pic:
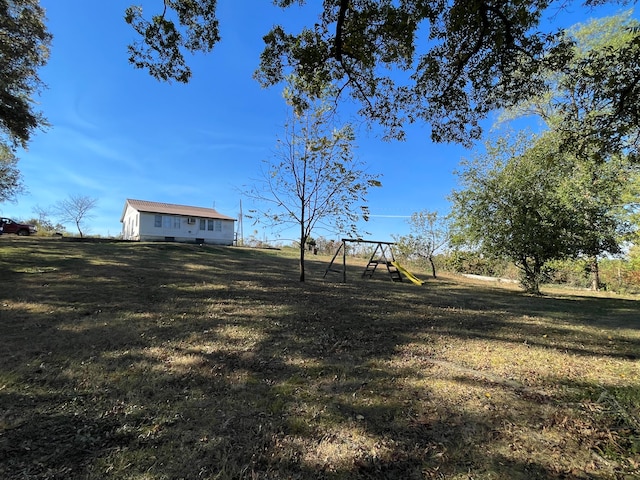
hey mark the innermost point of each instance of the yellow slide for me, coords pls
(407, 273)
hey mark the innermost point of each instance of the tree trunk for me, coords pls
(595, 273)
(537, 274)
(433, 266)
(302, 243)
(531, 278)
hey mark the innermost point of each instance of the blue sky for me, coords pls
(117, 133)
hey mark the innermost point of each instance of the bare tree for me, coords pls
(429, 233)
(76, 210)
(313, 180)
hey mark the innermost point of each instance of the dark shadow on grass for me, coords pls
(171, 360)
(53, 444)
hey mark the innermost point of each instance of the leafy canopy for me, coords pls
(593, 102)
(163, 38)
(445, 63)
(10, 179)
(24, 48)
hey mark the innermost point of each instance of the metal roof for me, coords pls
(173, 209)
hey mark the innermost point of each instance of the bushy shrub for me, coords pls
(476, 264)
(569, 272)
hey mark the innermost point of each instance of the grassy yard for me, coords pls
(166, 361)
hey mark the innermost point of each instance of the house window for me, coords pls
(210, 225)
(176, 222)
(157, 221)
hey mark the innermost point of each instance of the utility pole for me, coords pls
(240, 230)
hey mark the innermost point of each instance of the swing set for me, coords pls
(382, 255)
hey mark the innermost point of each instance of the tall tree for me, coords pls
(429, 232)
(593, 107)
(314, 179)
(76, 210)
(532, 202)
(509, 206)
(10, 179)
(24, 48)
(594, 192)
(446, 63)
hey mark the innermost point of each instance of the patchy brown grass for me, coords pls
(165, 361)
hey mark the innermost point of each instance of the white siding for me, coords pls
(150, 226)
(188, 232)
(130, 224)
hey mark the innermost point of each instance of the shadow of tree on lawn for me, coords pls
(169, 361)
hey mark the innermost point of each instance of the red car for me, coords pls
(9, 226)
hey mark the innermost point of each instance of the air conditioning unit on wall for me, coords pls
(191, 221)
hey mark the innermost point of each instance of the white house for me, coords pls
(153, 221)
